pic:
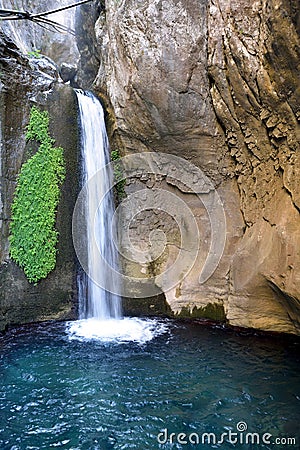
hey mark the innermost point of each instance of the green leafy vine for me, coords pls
(33, 236)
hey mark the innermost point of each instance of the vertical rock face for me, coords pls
(210, 81)
(255, 91)
(86, 17)
(26, 81)
(29, 36)
(216, 83)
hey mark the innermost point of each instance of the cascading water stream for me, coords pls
(100, 304)
(100, 310)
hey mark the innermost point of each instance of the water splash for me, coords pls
(129, 329)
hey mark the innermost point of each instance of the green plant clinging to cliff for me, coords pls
(33, 236)
(34, 54)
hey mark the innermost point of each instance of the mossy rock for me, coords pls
(34, 237)
(149, 306)
(212, 311)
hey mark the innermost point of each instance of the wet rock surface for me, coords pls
(27, 81)
(67, 72)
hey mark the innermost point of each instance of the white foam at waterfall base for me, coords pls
(129, 329)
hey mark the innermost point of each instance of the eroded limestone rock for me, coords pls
(216, 83)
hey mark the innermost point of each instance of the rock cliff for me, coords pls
(25, 81)
(216, 83)
(28, 36)
(210, 81)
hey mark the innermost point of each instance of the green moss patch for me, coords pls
(33, 236)
(212, 311)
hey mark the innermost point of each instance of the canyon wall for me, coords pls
(28, 36)
(25, 81)
(215, 83)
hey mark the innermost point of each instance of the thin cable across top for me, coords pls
(40, 19)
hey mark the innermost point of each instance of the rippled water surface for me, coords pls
(61, 392)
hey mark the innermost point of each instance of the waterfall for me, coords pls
(94, 301)
(100, 310)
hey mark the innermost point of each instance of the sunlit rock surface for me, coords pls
(215, 83)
